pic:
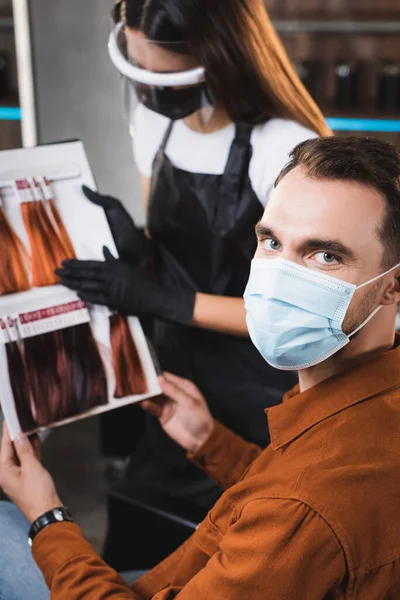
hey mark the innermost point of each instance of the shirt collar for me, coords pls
(300, 412)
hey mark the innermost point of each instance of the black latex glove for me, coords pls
(131, 241)
(126, 289)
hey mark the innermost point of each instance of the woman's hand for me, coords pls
(126, 289)
(182, 411)
(22, 477)
(131, 241)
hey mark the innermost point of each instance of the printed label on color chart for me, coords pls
(45, 320)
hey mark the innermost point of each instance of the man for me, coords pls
(315, 515)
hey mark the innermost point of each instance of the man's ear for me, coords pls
(391, 292)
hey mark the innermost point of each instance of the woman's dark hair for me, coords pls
(247, 67)
(363, 160)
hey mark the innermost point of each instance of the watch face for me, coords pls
(58, 514)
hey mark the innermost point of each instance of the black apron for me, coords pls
(202, 228)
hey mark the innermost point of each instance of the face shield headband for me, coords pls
(175, 95)
(152, 78)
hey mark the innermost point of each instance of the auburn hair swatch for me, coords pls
(60, 227)
(48, 250)
(14, 259)
(65, 372)
(129, 374)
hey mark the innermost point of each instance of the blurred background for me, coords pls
(346, 51)
(57, 83)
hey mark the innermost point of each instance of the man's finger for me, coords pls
(153, 407)
(24, 449)
(35, 441)
(184, 384)
(7, 454)
(174, 392)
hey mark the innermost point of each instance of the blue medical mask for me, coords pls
(295, 314)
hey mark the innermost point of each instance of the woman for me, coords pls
(220, 108)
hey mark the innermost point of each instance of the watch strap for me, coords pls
(57, 515)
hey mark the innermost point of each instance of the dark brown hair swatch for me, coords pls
(65, 372)
(20, 387)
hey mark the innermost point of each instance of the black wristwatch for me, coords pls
(57, 515)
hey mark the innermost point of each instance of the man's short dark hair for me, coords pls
(364, 160)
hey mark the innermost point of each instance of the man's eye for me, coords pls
(326, 258)
(271, 244)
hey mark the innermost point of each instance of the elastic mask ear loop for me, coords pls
(127, 104)
(378, 277)
(371, 316)
(211, 99)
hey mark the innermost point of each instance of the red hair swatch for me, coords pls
(61, 230)
(129, 373)
(47, 249)
(14, 259)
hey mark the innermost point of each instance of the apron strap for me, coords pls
(158, 162)
(243, 134)
(157, 167)
(234, 178)
(166, 136)
(240, 152)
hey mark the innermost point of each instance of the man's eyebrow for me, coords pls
(327, 245)
(263, 231)
(330, 246)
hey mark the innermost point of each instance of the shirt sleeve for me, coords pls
(272, 145)
(276, 548)
(225, 456)
(148, 131)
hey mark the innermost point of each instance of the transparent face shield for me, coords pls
(160, 75)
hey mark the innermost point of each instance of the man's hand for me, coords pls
(183, 412)
(24, 480)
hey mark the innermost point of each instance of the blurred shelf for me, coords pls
(361, 113)
(10, 113)
(9, 101)
(365, 125)
(6, 23)
(336, 26)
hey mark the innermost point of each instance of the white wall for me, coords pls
(78, 92)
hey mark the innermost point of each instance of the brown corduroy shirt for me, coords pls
(315, 515)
